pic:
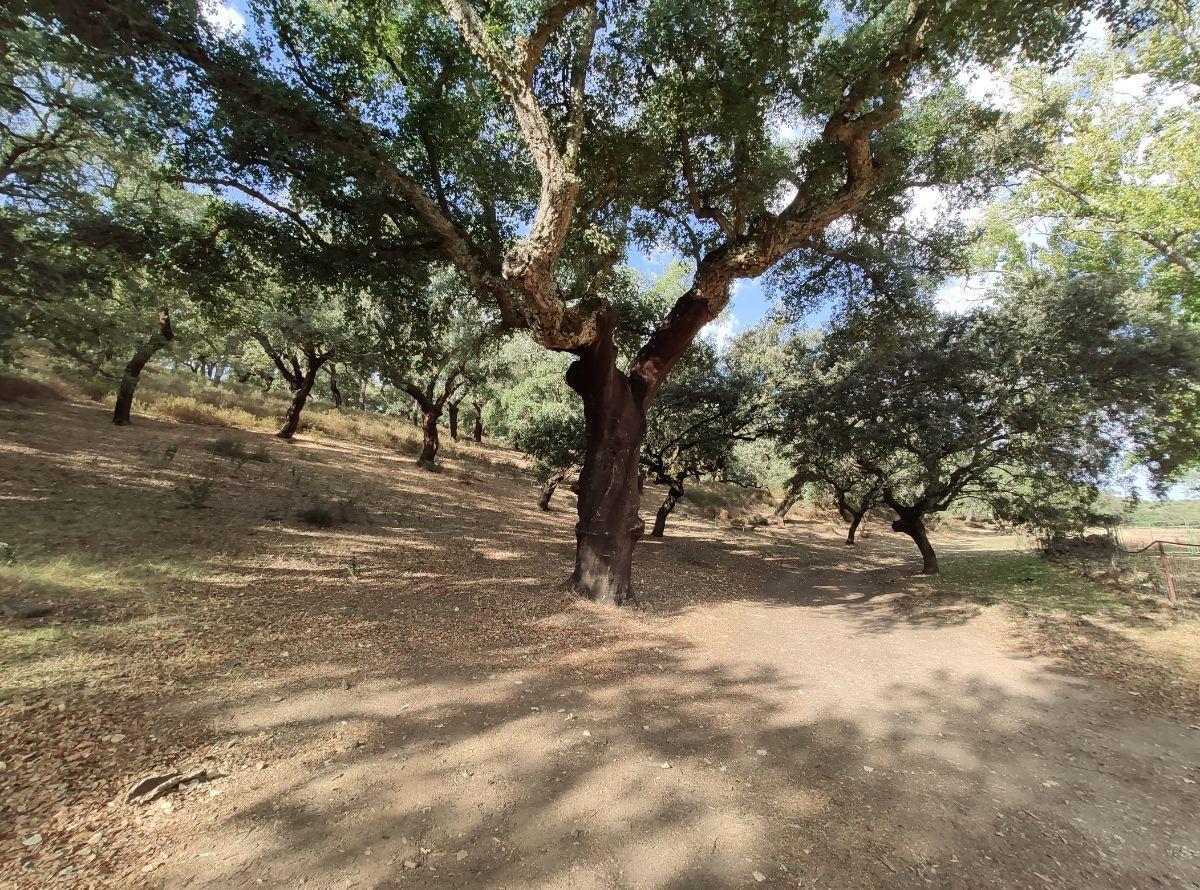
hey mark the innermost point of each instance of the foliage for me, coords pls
(237, 451)
(1025, 405)
(194, 494)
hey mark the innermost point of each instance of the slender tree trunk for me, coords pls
(855, 520)
(333, 387)
(300, 392)
(133, 370)
(668, 504)
(548, 489)
(912, 524)
(429, 438)
(430, 443)
(789, 500)
(362, 394)
(478, 431)
(452, 410)
(615, 424)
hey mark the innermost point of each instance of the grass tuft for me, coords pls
(1024, 579)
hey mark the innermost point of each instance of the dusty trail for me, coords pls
(781, 709)
(816, 736)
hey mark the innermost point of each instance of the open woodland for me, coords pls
(590, 444)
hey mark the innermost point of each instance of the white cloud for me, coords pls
(721, 330)
(223, 18)
(930, 206)
(987, 86)
(964, 293)
(1096, 33)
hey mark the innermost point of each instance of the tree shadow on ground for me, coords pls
(897, 750)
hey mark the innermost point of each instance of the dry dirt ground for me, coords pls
(410, 701)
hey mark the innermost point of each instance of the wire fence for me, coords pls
(1166, 558)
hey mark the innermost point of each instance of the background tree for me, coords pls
(1118, 191)
(660, 121)
(703, 411)
(301, 307)
(433, 355)
(1038, 394)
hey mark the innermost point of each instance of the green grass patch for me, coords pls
(124, 606)
(1024, 579)
(1180, 512)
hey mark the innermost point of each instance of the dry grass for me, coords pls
(418, 675)
(14, 388)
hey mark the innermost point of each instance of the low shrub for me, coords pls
(236, 451)
(186, 409)
(328, 513)
(14, 389)
(194, 494)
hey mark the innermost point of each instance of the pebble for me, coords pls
(33, 840)
(759, 876)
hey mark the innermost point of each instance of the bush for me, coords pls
(236, 451)
(326, 514)
(13, 389)
(194, 493)
(186, 409)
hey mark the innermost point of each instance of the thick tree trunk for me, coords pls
(429, 438)
(911, 524)
(548, 489)
(789, 500)
(615, 424)
(300, 392)
(668, 504)
(452, 410)
(133, 370)
(333, 387)
(855, 520)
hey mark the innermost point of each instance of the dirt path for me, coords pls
(810, 734)
(780, 714)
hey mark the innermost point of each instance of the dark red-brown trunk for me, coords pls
(478, 431)
(855, 522)
(300, 391)
(429, 438)
(912, 524)
(615, 424)
(664, 511)
(133, 370)
(548, 489)
(452, 409)
(334, 391)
